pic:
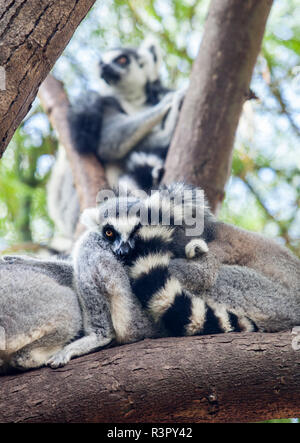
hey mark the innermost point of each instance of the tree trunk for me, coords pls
(33, 34)
(201, 149)
(88, 174)
(223, 378)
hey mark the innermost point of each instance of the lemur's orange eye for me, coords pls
(109, 233)
(122, 60)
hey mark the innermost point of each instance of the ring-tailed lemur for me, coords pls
(131, 123)
(75, 308)
(162, 294)
(148, 249)
(39, 312)
(129, 126)
(52, 311)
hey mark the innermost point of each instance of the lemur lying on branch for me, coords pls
(129, 280)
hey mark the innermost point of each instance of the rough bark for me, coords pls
(33, 34)
(201, 149)
(88, 174)
(224, 378)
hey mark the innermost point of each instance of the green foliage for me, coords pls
(23, 209)
(288, 420)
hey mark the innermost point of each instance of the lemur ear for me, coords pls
(150, 52)
(90, 218)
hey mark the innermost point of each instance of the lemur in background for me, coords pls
(129, 126)
(132, 122)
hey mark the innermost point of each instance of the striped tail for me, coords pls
(163, 296)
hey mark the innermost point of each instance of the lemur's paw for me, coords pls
(157, 174)
(179, 96)
(58, 360)
(195, 248)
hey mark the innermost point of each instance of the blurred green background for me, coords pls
(263, 193)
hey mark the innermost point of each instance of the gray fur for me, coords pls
(272, 306)
(39, 313)
(52, 311)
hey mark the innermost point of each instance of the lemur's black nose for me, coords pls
(108, 73)
(123, 249)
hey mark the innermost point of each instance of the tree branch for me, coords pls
(223, 378)
(88, 174)
(201, 149)
(33, 34)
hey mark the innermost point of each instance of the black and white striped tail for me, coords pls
(144, 169)
(161, 293)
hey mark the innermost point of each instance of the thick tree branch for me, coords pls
(88, 174)
(33, 34)
(201, 149)
(224, 378)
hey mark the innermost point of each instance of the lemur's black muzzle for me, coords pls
(109, 74)
(124, 250)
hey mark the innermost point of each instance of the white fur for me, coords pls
(164, 298)
(221, 312)
(90, 218)
(141, 158)
(178, 202)
(121, 316)
(163, 232)
(144, 264)
(152, 68)
(197, 318)
(124, 225)
(245, 324)
(18, 342)
(41, 355)
(113, 172)
(127, 184)
(195, 246)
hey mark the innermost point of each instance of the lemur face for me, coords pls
(127, 67)
(117, 64)
(117, 221)
(120, 234)
(123, 220)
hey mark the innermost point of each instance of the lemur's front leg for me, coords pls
(82, 346)
(169, 123)
(162, 136)
(122, 132)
